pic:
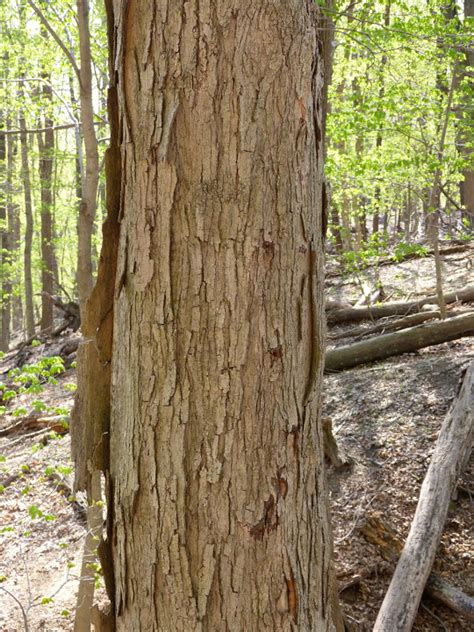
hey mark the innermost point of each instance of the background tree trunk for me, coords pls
(219, 512)
(91, 177)
(4, 241)
(46, 158)
(465, 137)
(25, 172)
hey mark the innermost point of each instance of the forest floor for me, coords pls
(385, 417)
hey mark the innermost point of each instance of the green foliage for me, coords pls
(30, 59)
(21, 411)
(393, 65)
(377, 247)
(29, 379)
(404, 250)
(39, 406)
(36, 513)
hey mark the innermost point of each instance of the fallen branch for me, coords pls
(377, 532)
(55, 423)
(392, 344)
(393, 325)
(450, 596)
(351, 314)
(403, 597)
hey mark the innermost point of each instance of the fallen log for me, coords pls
(377, 532)
(57, 423)
(403, 597)
(399, 342)
(450, 596)
(352, 314)
(391, 325)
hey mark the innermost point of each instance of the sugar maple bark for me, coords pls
(218, 499)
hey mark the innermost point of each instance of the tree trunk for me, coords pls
(466, 134)
(379, 137)
(400, 342)
(218, 500)
(25, 172)
(401, 602)
(46, 158)
(91, 177)
(4, 298)
(337, 229)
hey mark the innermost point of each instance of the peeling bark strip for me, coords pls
(219, 511)
(91, 415)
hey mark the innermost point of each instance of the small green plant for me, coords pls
(39, 405)
(21, 411)
(35, 343)
(374, 249)
(71, 387)
(34, 512)
(404, 250)
(61, 410)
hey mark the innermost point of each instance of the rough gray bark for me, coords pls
(399, 342)
(218, 511)
(401, 602)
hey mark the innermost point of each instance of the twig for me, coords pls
(9, 444)
(56, 38)
(434, 616)
(357, 518)
(20, 605)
